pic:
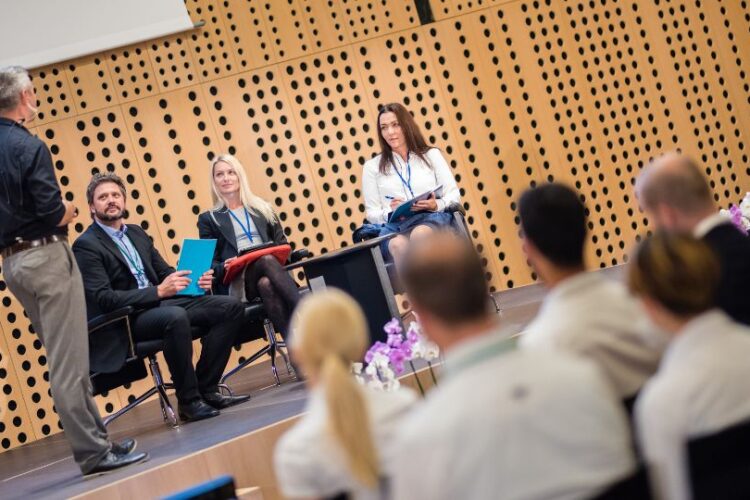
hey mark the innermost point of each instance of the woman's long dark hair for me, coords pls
(413, 136)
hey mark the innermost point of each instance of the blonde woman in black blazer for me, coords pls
(238, 221)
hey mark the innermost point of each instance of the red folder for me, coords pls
(281, 252)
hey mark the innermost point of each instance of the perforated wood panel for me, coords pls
(514, 93)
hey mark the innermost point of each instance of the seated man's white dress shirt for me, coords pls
(512, 424)
(701, 388)
(596, 318)
(310, 464)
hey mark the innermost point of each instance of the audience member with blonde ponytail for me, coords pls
(339, 444)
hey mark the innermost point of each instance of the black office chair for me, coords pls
(719, 464)
(134, 367)
(258, 326)
(635, 486)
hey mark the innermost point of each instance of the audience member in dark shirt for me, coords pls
(677, 198)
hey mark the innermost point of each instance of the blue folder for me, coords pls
(196, 257)
(404, 210)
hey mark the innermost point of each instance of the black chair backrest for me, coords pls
(635, 486)
(720, 463)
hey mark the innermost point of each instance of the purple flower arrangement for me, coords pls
(386, 361)
(740, 215)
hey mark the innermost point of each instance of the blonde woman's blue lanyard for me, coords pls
(406, 182)
(140, 272)
(247, 230)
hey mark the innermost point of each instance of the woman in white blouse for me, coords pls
(339, 444)
(406, 168)
(702, 386)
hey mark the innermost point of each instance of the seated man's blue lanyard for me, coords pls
(140, 272)
(245, 229)
(406, 182)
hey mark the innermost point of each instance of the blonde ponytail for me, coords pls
(329, 331)
(349, 420)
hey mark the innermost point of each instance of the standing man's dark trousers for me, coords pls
(172, 320)
(48, 284)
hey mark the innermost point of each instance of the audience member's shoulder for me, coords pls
(390, 403)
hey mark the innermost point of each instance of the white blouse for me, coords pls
(376, 187)
(309, 462)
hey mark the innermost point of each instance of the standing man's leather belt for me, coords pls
(22, 245)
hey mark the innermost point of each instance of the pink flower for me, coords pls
(393, 327)
(397, 358)
(395, 339)
(735, 213)
(377, 348)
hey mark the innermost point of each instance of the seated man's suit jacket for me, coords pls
(110, 285)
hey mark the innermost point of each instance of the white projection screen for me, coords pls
(40, 32)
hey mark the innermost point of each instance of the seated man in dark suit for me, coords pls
(121, 267)
(676, 197)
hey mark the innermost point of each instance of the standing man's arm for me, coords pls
(43, 188)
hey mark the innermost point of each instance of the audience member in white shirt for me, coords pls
(503, 423)
(406, 167)
(702, 384)
(338, 444)
(584, 313)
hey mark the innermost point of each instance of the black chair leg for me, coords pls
(166, 407)
(160, 389)
(273, 348)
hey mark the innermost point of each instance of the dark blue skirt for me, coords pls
(434, 220)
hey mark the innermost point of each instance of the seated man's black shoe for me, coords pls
(197, 410)
(124, 447)
(112, 461)
(219, 401)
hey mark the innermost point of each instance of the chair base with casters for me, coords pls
(160, 388)
(273, 347)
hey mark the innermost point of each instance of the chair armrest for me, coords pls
(122, 314)
(456, 207)
(102, 320)
(298, 255)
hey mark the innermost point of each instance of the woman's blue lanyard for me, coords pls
(140, 272)
(245, 229)
(405, 182)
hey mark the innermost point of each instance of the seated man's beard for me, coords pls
(109, 217)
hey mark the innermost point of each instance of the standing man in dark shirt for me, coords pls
(41, 272)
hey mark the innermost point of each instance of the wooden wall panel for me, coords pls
(515, 92)
(173, 139)
(254, 121)
(16, 424)
(327, 100)
(247, 33)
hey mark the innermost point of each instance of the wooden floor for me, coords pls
(45, 468)
(240, 441)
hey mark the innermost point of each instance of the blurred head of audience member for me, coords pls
(676, 278)
(553, 226)
(674, 194)
(446, 284)
(330, 332)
